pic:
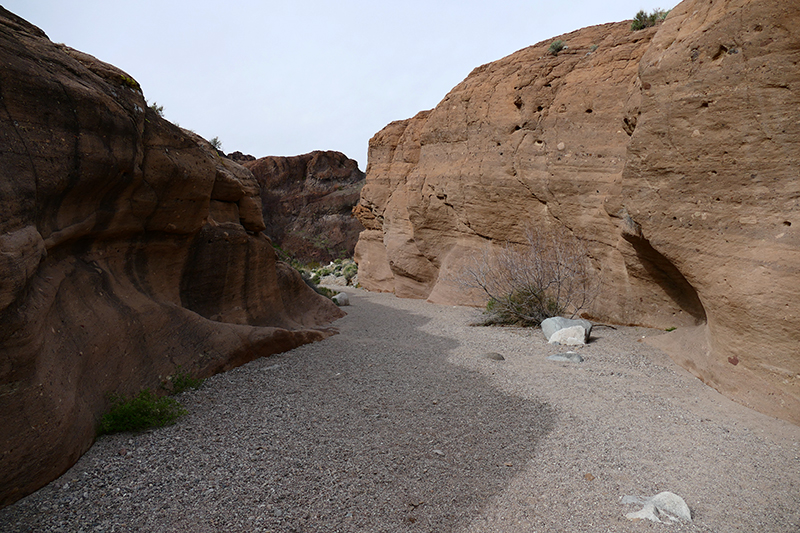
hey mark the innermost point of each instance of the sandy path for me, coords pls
(397, 424)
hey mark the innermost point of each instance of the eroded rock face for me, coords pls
(671, 152)
(530, 139)
(128, 247)
(712, 180)
(308, 202)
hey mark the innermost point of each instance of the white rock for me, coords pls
(662, 505)
(571, 336)
(556, 323)
(341, 299)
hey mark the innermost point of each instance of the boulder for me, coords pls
(341, 299)
(669, 151)
(579, 329)
(128, 248)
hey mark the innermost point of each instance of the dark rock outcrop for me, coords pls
(128, 247)
(308, 202)
(672, 151)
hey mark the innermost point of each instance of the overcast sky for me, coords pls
(289, 77)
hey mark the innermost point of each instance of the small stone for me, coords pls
(493, 355)
(662, 505)
(439, 452)
(341, 299)
(569, 357)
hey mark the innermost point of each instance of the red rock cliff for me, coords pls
(128, 247)
(671, 151)
(308, 202)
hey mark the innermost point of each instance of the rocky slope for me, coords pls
(128, 248)
(308, 202)
(668, 150)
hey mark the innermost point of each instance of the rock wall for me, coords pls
(128, 247)
(308, 202)
(670, 151)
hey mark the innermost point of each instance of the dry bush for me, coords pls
(550, 275)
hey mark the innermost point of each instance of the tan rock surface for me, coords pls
(671, 151)
(712, 179)
(530, 139)
(128, 248)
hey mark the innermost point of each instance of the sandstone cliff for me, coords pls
(671, 151)
(128, 247)
(308, 202)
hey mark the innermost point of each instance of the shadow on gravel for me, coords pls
(389, 436)
(369, 430)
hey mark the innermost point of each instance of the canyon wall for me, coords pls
(308, 202)
(672, 152)
(128, 248)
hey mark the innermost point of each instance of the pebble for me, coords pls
(569, 357)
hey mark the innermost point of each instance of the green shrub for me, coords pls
(349, 271)
(181, 382)
(141, 412)
(130, 82)
(325, 291)
(216, 143)
(644, 20)
(556, 46)
(157, 109)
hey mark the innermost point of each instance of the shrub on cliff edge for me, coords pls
(644, 20)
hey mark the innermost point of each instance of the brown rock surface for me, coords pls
(128, 247)
(308, 202)
(671, 151)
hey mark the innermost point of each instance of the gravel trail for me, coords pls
(399, 424)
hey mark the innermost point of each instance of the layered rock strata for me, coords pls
(308, 202)
(128, 248)
(671, 151)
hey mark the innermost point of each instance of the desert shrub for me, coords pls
(157, 109)
(130, 82)
(349, 271)
(549, 275)
(181, 381)
(644, 20)
(556, 46)
(216, 143)
(140, 412)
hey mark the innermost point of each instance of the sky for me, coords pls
(289, 77)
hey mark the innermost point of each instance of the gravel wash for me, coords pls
(400, 423)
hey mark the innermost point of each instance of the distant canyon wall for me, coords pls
(671, 151)
(308, 202)
(128, 249)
